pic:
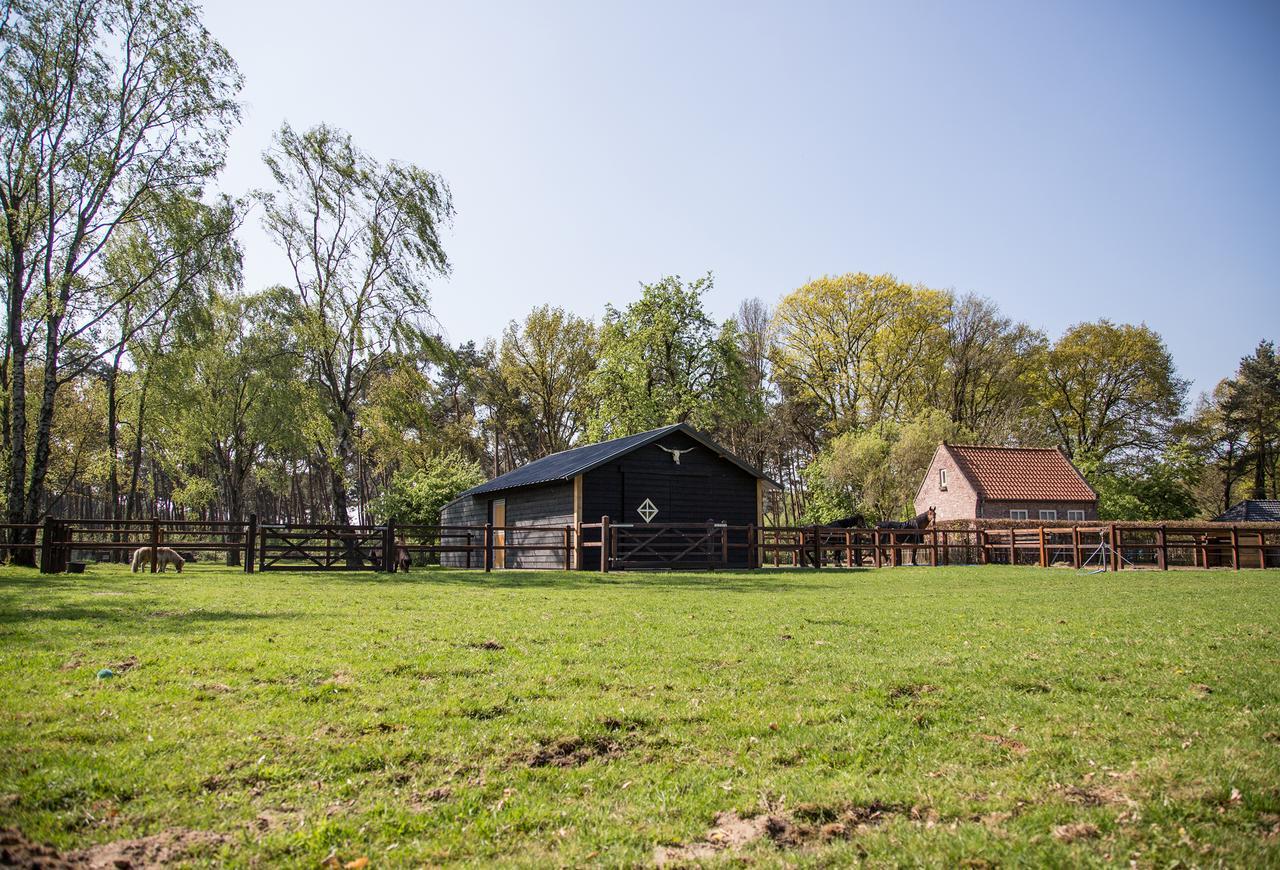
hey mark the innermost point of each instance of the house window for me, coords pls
(942, 479)
(1075, 515)
(1048, 515)
(1017, 515)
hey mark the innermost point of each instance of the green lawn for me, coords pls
(910, 716)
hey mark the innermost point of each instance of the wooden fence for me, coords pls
(65, 544)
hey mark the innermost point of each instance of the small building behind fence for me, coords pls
(981, 481)
(675, 475)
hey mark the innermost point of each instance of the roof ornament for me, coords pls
(676, 454)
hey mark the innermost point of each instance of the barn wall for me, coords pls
(465, 511)
(547, 505)
(702, 487)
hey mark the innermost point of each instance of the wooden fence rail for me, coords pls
(62, 544)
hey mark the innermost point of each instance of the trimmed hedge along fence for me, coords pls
(65, 544)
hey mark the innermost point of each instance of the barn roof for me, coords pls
(1255, 510)
(568, 464)
(1021, 473)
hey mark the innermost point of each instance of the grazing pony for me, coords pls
(919, 521)
(402, 557)
(164, 558)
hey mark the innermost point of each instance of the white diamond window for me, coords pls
(648, 510)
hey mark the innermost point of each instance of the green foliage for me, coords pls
(1110, 391)
(1158, 489)
(415, 497)
(663, 361)
(877, 470)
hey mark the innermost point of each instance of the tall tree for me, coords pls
(663, 360)
(1252, 402)
(114, 114)
(861, 348)
(547, 361)
(363, 240)
(987, 367)
(1110, 391)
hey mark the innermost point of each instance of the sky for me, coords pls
(1071, 161)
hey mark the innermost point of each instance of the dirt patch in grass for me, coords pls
(911, 691)
(123, 667)
(1075, 831)
(807, 823)
(575, 751)
(486, 644)
(158, 850)
(74, 662)
(1016, 746)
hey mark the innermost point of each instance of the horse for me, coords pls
(918, 522)
(401, 562)
(164, 558)
(854, 521)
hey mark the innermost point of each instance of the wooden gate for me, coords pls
(320, 548)
(668, 546)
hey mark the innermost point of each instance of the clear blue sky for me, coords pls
(1071, 161)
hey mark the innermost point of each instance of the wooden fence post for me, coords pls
(155, 541)
(1044, 554)
(1235, 548)
(875, 547)
(724, 545)
(604, 545)
(983, 555)
(1115, 547)
(568, 548)
(933, 551)
(753, 558)
(262, 547)
(250, 542)
(817, 548)
(389, 546)
(1075, 547)
(1162, 556)
(48, 543)
(488, 547)
(1013, 550)
(577, 544)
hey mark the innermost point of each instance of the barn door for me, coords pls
(499, 533)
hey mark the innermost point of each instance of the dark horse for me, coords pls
(920, 522)
(856, 521)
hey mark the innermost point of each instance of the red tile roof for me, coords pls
(1021, 473)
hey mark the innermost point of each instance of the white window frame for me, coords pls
(1048, 515)
(1017, 515)
(1075, 516)
(942, 479)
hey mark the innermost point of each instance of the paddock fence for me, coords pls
(59, 545)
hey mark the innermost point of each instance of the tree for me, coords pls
(363, 239)
(862, 348)
(663, 361)
(1110, 391)
(1252, 403)
(415, 497)
(987, 370)
(877, 470)
(1159, 489)
(114, 115)
(231, 394)
(546, 363)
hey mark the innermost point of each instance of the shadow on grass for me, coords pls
(161, 620)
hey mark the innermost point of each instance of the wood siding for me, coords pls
(465, 511)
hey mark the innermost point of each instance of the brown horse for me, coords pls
(917, 523)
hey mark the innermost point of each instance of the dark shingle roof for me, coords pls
(1021, 473)
(567, 464)
(1252, 511)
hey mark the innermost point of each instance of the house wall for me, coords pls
(999, 510)
(961, 501)
(547, 505)
(958, 502)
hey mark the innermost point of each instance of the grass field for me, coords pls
(930, 716)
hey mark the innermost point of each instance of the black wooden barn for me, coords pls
(673, 475)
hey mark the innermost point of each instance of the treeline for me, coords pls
(139, 376)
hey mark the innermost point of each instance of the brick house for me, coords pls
(978, 481)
